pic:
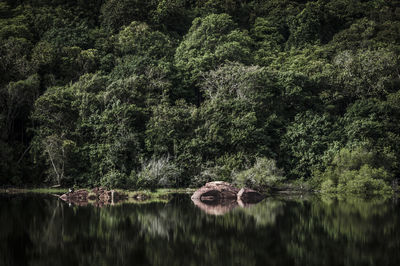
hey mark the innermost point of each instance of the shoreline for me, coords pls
(153, 193)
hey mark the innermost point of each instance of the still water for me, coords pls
(308, 230)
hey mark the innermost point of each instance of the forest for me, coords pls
(175, 93)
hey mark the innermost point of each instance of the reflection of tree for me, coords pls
(176, 233)
(344, 231)
(266, 212)
(354, 218)
(327, 231)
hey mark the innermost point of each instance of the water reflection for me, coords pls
(219, 207)
(41, 230)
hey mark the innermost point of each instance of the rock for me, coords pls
(247, 195)
(214, 191)
(98, 190)
(99, 194)
(220, 197)
(79, 195)
(105, 196)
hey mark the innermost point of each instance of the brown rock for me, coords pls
(79, 195)
(220, 197)
(105, 196)
(98, 190)
(247, 195)
(216, 190)
(99, 194)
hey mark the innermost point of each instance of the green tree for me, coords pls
(211, 41)
(139, 39)
(118, 13)
(305, 141)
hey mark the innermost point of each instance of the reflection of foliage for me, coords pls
(350, 228)
(266, 212)
(315, 231)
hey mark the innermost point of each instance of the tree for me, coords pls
(118, 13)
(268, 39)
(237, 114)
(140, 40)
(366, 73)
(305, 141)
(170, 128)
(211, 41)
(305, 27)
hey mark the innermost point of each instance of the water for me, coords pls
(42, 230)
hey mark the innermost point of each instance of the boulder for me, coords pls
(214, 191)
(220, 197)
(247, 195)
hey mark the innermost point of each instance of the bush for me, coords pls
(261, 176)
(114, 179)
(223, 169)
(353, 172)
(328, 186)
(158, 173)
(367, 180)
(216, 173)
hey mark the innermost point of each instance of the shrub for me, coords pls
(114, 179)
(353, 172)
(216, 173)
(158, 173)
(328, 186)
(261, 176)
(367, 180)
(223, 169)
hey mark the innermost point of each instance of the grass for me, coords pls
(34, 190)
(158, 193)
(134, 197)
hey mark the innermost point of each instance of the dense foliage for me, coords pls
(135, 94)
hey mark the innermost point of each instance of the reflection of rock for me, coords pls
(140, 197)
(216, 190)
(220, 197)
(218, 207)
(246, 196)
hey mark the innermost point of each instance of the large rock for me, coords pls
(214, 191)
(220, 197)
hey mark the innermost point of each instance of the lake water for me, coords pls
(309, 230)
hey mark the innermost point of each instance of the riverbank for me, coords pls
(160, 193)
